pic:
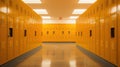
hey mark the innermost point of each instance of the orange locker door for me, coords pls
(118, 22)
(21, 36)
(97, 29)
(113, 41)
(25, 37)
(91, 39)
(113, 32)
(16, 37)
(0, 38)
(107, 44)
(94, 38)
(97, 36)
(10, 38)
(107, 32)
(29, 37)
(15, 6)
(3, 38)
(102, 32)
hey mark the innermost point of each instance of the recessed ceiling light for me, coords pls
(87, 1)
(73, 17)
(46, 21)
(32, 1)
(41, 11)
(46, 17)
(79, 11)
(5, 10)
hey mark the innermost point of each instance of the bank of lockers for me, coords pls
(103, 31)
(19, 25)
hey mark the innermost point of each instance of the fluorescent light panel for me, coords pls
(72, 63)
(79, 11)
(5, 10)
(46, 17)
(41, 11)
(32, 1)
(58, 21)
(73, 17)
(87, 1)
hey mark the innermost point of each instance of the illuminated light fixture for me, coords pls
(32, 1)
(87, 1)
(41, 11)
(4, 10)
(46, 17)
(46, 63)
(114, 9)
(119, 7)
(72, 63)
(73, 17)
(79, 11)
(58, 21)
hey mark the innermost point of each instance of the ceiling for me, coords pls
(59, 8)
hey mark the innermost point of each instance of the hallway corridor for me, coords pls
(59, 33)
(59, 55)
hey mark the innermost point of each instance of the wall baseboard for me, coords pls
(96, 58)
(21, 58)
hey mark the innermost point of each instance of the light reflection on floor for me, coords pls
(59, 55)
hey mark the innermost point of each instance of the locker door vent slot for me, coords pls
(81, 33)
(35, 33)
(10, 32)
(112, 32)
(68, 32)
(47, 32)
(62, 32)
(53, 32)
(90, 33)
(25, 33)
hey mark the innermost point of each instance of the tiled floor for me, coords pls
(59, 55)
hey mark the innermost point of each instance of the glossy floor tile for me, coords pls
(59, 55)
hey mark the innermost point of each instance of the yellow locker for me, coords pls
(3, 38)
(107, 16)
(24, 28)
(113, 31)
(0, 39)
(10, 37)
(92, 30)
(97, 34)
(28, 43)
(93, 34)
(25, 37)
(96, 41)
(15, 14)
(118, 33)
(107, 43)
(105, 30)
(16, 38)
(102, 30)
(95, 21)
(90, 38)
(13, 24)
(21, 36)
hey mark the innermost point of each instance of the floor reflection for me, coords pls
(59, 55)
